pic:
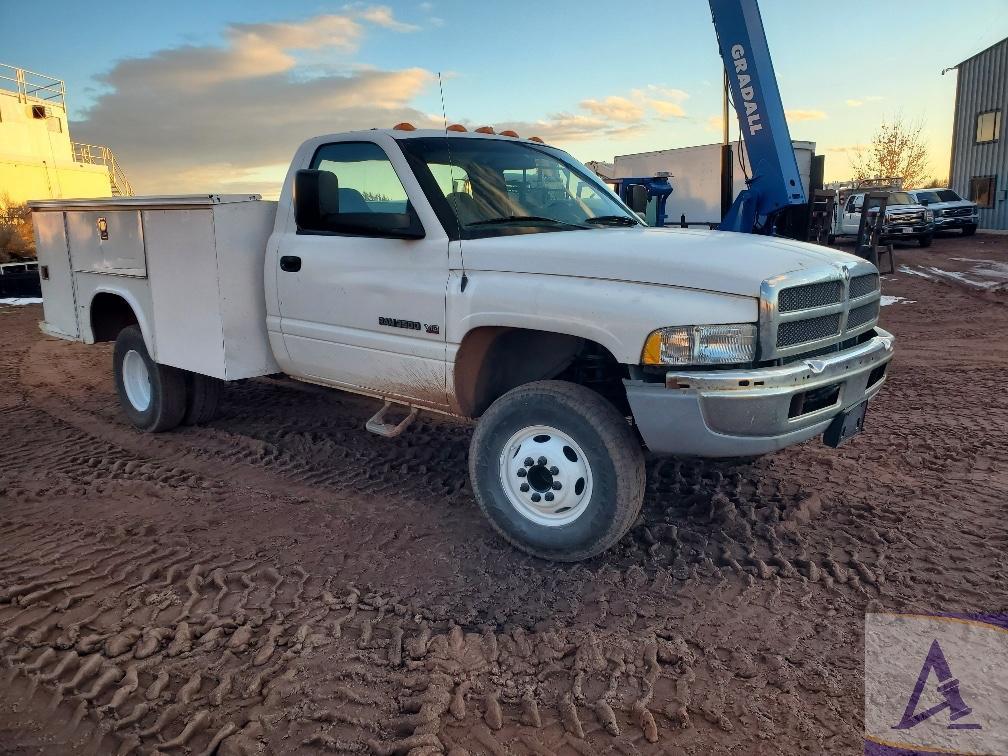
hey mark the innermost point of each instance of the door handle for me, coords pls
(290, 263)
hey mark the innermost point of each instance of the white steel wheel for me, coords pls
(546, 476)
(136, 380)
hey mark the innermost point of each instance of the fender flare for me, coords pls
(146, 327)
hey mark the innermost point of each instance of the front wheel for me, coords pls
(969, 230)
(153, 396)
(557, 470)
(925, 241)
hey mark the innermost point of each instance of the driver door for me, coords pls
(852, 215)
(363, 311)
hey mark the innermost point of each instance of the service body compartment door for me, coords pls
(184, 289)
(107, 241)
(59, 301)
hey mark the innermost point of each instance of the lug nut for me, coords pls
(536, 497)
(542, 461)
(554, 470)
(557, 485)
(549, 496)
(524, 487)
(529, 461)
(522, 472)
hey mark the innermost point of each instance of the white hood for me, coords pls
(719, 261)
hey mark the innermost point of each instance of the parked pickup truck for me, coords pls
(482, 276)
(905, 220)
(950, 210)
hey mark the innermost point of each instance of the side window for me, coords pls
(852, 204)
(988, 126)
(367, 181)
(981, 190)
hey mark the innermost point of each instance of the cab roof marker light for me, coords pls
(536, 139)
(509, 133)
(457, 127)
(485, 130)
(404, 126)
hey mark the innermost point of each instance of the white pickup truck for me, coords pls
(487, 277)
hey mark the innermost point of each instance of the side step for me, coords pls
(378, 425)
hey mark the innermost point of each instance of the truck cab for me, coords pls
(951, 211)
(487, 277)
(905, 219)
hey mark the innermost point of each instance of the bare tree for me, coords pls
(897, 150)
(17, 241)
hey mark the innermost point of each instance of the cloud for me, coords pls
(663, 101)
(858, 103)
(849, 148)
(196, 118)
(615, 109)
(381, 15)
(804, 115)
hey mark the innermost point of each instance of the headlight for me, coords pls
(701, 345)
(928, 215)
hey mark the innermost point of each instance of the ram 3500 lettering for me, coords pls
(487, 277)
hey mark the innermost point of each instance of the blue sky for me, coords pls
(189, 93)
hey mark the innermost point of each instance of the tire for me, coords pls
(202, 398)
(831, 239)
(925, 241)
(138, 377)
(969, 230)
(599, 489)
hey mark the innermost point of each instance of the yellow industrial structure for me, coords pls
(37, 158)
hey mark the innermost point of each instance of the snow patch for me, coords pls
(888, 299)
(14, 301)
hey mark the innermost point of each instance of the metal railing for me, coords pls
(96, 154)
(30, 85)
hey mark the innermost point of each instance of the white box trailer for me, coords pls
(696, 177)
(192, 265)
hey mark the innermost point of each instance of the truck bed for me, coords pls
(190, 267)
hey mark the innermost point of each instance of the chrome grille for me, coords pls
(810, 295)
(861, 286)
(820, 307)
(795, 332)
(905, 218)
(863, 314)
(957, 212)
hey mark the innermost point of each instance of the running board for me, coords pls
(378, 425)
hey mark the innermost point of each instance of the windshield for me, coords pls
(900, 198)
(947, 195)
(927, 197)
(485, 187)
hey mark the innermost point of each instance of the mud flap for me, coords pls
(846, 425)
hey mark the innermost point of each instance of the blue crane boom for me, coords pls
(775, 182)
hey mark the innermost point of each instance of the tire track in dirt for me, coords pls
(280, 581)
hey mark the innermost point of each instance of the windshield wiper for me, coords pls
(523, 219)
(612, 220)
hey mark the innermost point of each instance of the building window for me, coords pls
(981, 190)
(988, 126)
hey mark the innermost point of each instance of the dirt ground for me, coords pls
(282, 581)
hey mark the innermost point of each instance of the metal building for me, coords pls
(979, 169)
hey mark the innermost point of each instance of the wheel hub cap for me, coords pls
(546, 476)
(136, 380)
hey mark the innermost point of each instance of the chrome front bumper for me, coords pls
(729, 413)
